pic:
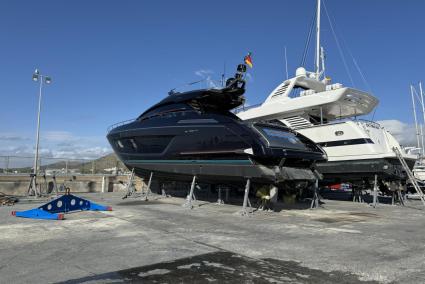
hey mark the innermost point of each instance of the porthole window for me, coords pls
(133, 143)
(339, 133)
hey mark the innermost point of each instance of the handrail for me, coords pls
(244, 108)
(115, 125)
(369, 121)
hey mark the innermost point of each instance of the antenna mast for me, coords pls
(223, 76)
(322, 57)
(286, 65)
(318, 40)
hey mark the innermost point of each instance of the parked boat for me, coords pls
(195, 134)
(328, 114)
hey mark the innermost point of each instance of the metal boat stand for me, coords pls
(397, 197)
(226, 197)
(130, 187)
(32, 187)
(315, 201)
(357, 194)
(246, 202)
(191, 197)
(220, 201)
(43, 187)
(145, 193)
(163, 192)
(36, 189)
(375, 192)
(55, 184)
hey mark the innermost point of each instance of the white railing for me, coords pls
(369, 122)
(115, 125)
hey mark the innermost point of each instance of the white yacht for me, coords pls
(328, 114)
(419, 172)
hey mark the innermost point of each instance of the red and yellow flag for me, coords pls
(248, 59)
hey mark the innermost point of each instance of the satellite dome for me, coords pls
(300, 72)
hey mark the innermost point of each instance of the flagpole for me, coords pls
(223, 76)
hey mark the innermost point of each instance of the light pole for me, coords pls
(37, 77)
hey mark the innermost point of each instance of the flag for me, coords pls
(248, 59)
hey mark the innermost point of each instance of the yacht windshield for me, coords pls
(165, 109)
(279, 138)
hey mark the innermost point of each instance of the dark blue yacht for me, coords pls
(195, 134)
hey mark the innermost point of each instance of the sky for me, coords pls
(111, 60)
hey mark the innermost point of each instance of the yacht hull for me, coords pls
(358, 150)
(214, 152)
(358, 170)
(215, 147)
(218, 171)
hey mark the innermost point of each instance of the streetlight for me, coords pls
(37, 77)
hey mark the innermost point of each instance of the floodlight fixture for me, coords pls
(35, 75)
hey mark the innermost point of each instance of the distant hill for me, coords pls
(100, 165)
(104, 164)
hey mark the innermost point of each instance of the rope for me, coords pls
(366, 83)
(360, 71)
(373, 115)
(307, 44)
(338, 46)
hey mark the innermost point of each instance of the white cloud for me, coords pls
(80, 152)
(55, 144)
(12, 137)
(203, 73)
(57, 135)
(403, 132)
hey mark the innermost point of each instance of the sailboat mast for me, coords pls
(423, 113)
(414, 115)
(421, 128)
(318, 40)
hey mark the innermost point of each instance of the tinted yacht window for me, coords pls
(152, 144)
(145, 145)
(282, 138)
(165, 109)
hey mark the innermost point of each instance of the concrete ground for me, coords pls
(159, 241)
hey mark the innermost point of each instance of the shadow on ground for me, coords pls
(221, 267)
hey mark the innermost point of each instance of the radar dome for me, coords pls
(300, 72)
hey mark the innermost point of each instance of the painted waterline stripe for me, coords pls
(238, 162)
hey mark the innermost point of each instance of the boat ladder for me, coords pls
(410, 174)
